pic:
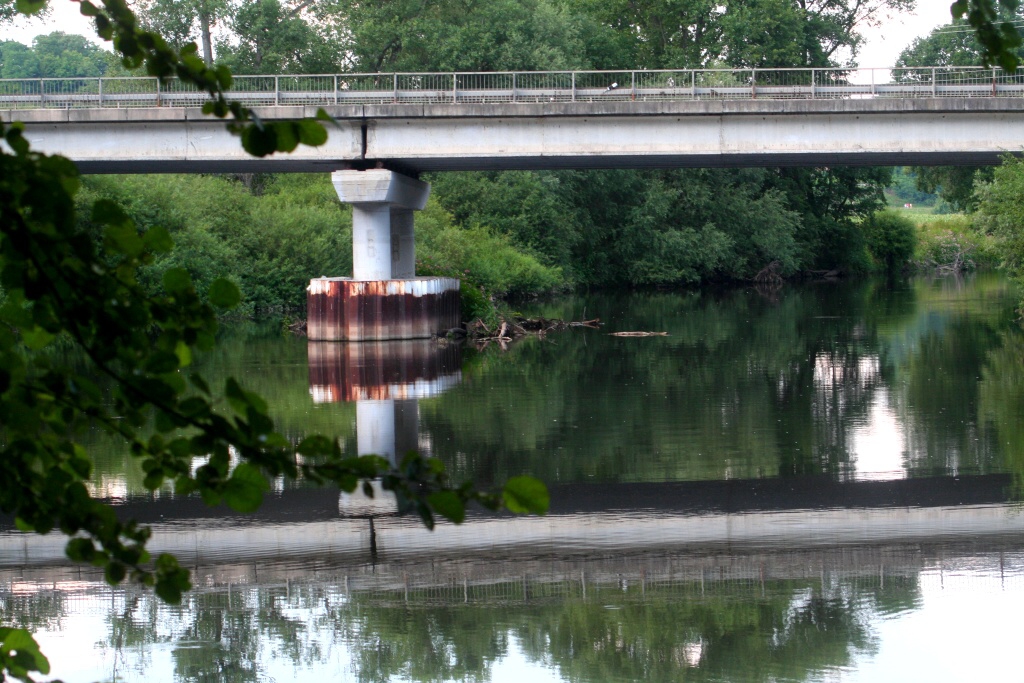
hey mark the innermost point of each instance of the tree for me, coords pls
(59, 281)
(181, 21)
(274, 39)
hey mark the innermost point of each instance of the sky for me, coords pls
(884, 42)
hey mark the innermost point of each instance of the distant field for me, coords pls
(922, 214)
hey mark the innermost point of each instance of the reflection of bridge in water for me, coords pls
(738, 530)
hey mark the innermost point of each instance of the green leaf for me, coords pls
(36, 338)
(259, 141)
(171, 579)
(526, 495)
(27, 657)
(315, 445)
(161, 361)
(449, 505)
(177, 280)
(244, 490)
(286, 135)
(184, 354)
(158, 240)
(30, 7)
(80, 550)
(311, 133)
(108, 212)
(224, 293)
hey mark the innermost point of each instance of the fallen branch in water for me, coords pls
(638, 334)
(520, 327)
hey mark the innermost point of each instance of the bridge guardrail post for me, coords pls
(394, 80)
(99, 90)
(693, 84)
(632, 92)
(814, 76)
(277, 91)
(455, 89)
(42, 93)
(513, 86)
(933, 81)
(158, 103)
(335, 88)
(573, 86)
(753, 84)
(993, 82)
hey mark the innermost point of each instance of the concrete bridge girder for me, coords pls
(552, 135)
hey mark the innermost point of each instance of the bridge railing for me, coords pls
(522, 87)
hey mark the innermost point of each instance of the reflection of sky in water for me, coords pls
(959, 627)
(877, 442)
(967, 628)
(877, 438)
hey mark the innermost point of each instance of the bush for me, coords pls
(270, 246)
(953, 240)
(479, 256)
(891, 239)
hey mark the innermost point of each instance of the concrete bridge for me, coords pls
(390, 127)
(435, 122)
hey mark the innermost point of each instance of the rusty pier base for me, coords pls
(343, 309)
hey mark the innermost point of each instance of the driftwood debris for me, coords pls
(638, 334)
(507, 330)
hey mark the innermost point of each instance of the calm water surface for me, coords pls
(815, 484)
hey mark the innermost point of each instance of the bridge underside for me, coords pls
(414, 166)
(413, 139)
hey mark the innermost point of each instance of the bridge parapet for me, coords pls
(519, 87)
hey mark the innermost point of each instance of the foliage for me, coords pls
(891, 239)
(269, 245)
(1001, 213)
(994, 28)
(481, 257)
(496, 35)
(84, 285)
(942, 240)
(904, 189)
(181, 22)
(666, 227)
(273, 39)
(54, 55)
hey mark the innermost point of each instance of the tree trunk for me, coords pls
(204, 22)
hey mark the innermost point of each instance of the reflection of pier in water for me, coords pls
(386, 380)
(739, 529)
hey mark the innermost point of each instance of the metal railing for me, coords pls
(521, 87)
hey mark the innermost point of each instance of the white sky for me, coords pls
(883, 45)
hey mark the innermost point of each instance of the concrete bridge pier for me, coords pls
(383, 299)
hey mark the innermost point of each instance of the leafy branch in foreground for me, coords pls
(992, 21)
(62, 283)
(141, 49)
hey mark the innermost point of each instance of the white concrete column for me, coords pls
(375, 428)
(383, 245)
(403, 244)
(371, 242)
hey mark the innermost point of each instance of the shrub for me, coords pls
(891, 239)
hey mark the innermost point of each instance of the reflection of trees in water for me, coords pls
(32, 610)
(1001, 402)
(734, 391)
(614, 630)
(742, 387)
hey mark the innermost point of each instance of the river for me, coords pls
(815, 483)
